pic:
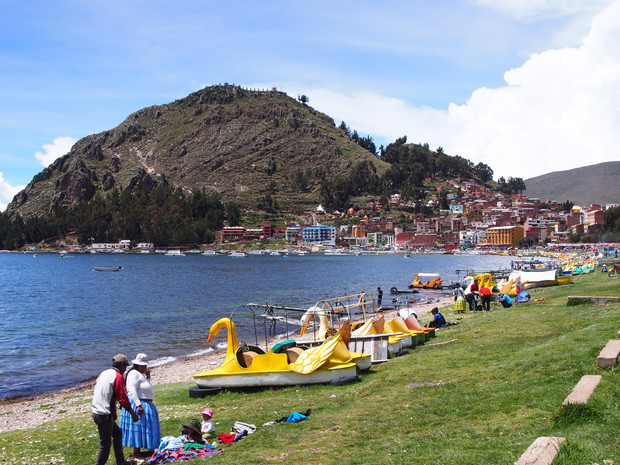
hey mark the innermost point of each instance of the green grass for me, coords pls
(481, 399)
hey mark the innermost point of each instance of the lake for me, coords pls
(61, 322)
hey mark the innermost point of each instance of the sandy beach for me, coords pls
(25, 413)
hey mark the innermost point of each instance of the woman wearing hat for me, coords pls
(146, 433)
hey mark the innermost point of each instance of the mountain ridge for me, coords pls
(242, 144)
(587, 185)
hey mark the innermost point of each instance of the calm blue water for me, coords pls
(61, 322)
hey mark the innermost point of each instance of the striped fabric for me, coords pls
(145, 433)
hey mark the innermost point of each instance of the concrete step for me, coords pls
(609, 355)
(542, 451)
(583, 390)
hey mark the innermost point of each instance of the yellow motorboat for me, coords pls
(250, 366)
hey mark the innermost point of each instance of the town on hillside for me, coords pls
(477, 217)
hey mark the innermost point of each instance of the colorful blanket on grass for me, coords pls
(190, 450)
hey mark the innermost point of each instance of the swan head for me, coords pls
(217, 326)
(307, 317)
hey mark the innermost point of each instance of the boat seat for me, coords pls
(248, 357)
(281, 347)
(293, 353)
(253, 351)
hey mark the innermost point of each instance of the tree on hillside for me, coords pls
(303, 99)
(567, 206)
(612, 219)
(484, 172)
(233, 214)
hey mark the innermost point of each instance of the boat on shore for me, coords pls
(282, 365)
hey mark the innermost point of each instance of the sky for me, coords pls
(526, 86)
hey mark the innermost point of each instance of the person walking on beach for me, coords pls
(379, 296)
(110, 389)
(146, 433)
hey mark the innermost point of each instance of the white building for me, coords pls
(471, 238)
(320, 235)
(292, 233)
(110, 246)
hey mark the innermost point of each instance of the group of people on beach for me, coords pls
(128, 384)
(478, 298)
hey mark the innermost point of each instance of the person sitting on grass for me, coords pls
(505, 300)
(438, 319)
(208, 428)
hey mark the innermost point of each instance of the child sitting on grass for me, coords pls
(208, 428)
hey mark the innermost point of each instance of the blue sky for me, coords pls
(526, 86)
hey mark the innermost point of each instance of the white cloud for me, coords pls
(557, 111)
(59, 147)
(7, 192)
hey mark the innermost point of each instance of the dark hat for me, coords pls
(120, 358)
(193, 424)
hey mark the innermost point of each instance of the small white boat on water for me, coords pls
(175, 253)
(238, 254)
(209, 252)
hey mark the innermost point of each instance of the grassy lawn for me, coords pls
(482, 398)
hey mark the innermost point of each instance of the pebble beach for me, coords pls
(26, 413)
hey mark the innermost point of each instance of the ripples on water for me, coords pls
(61, 322)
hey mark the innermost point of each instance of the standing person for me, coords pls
(485, 295)
(379, 296)
(460, 301)
(145, 434)
(110, 389)
(472, 295)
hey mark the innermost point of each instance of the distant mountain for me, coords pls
(594, 184)
(244, 145)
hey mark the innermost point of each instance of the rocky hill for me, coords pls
(239, 143)
(594, 184)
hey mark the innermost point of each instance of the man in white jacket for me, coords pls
(110, 389)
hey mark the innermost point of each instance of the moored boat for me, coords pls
(101, 268)
(250, 366)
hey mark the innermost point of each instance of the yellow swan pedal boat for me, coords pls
(327, 363)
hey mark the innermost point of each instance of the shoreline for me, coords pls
(19, 413)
